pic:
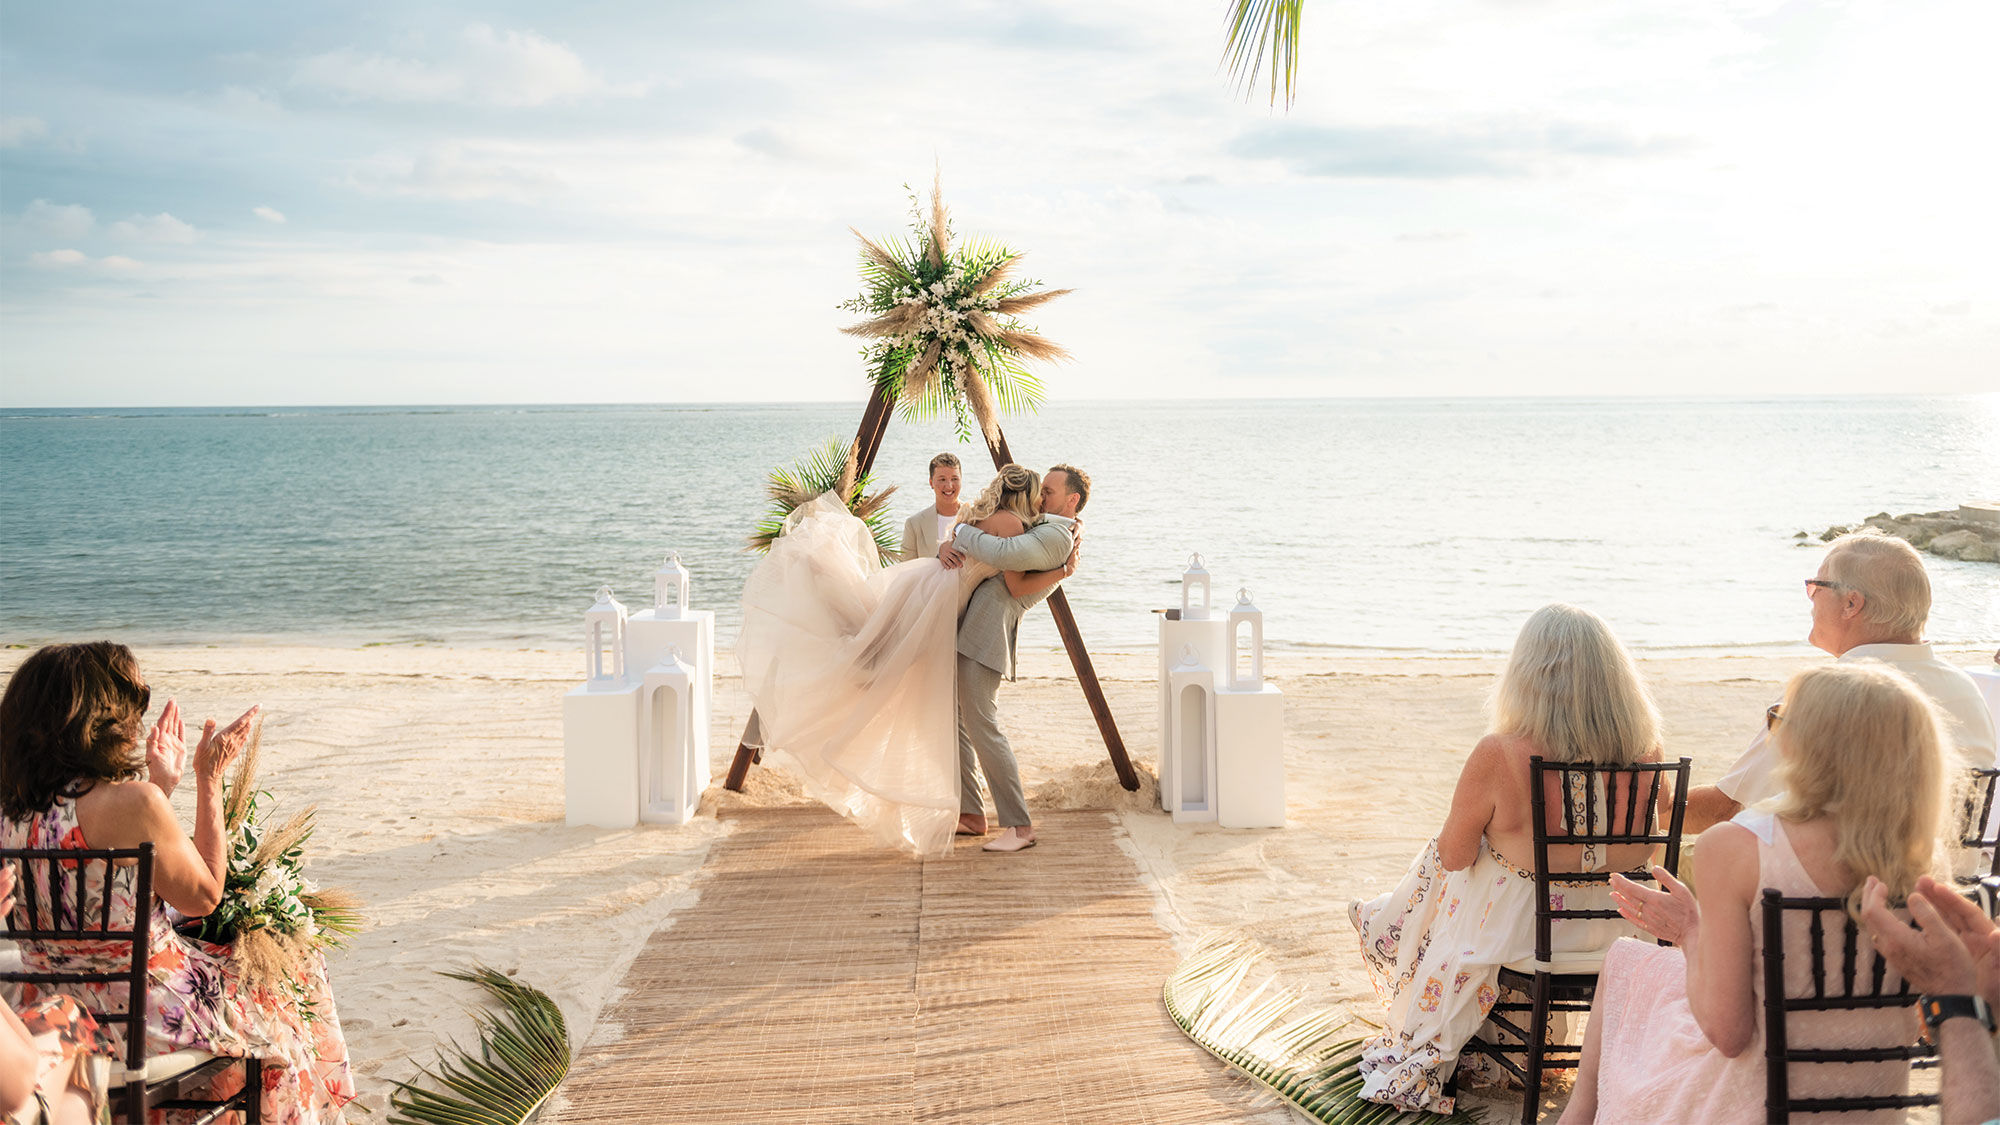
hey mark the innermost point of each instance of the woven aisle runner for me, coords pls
(819, 979)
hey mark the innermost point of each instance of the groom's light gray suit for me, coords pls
(986, 641)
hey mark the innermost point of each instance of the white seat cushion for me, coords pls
(1578, 961)
(161, 1067)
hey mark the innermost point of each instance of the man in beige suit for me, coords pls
(986, 641)
(924, 531)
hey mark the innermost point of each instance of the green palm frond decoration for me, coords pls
(945, 324)
(1260, 26)
(1268, 1034)
(523, 1056)
(826, 469)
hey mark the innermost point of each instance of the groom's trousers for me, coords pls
(979, 737)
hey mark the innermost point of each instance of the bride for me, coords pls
(850, 664)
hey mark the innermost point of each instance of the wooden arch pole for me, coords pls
(868, 441)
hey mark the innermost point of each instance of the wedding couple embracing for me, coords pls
(878, 685)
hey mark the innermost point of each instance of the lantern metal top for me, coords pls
(1243, 600)
(1194, 564)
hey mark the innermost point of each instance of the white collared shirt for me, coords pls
(1754, 776)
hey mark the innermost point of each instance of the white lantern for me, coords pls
(1193, 740)
(1242, 615)
(670, 588)
(1192, 579)
(669, 786)
(604, 643)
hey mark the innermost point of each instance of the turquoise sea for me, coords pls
(1419, 525)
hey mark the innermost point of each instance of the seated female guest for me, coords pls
(1435, 944)
(1676, 1032)
(73, 775)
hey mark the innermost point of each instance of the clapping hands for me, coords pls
(218, 748)
(1669, 913)
(166, 749)
(1954, 948)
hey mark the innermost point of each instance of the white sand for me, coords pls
(438, 774)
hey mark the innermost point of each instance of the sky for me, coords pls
(466, 202)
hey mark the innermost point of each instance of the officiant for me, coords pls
(923, 531)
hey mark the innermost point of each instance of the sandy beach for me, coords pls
(438, 777)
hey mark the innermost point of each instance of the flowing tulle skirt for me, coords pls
(851, 667)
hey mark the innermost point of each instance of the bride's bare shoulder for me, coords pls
(1002, 523)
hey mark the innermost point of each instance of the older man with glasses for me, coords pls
(1870, 601)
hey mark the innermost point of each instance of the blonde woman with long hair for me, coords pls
(1434, 945)
(852, 665)
(1676, 1032)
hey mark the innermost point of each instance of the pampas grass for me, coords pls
(943, 322)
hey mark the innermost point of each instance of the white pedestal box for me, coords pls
(601, 756)
(1210, 640)
(670, 784)
(1250, 758)
(1190, 796)
(648, 638)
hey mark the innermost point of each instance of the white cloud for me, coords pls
(18, 131)
(268, 214)
(67, 259)
(57, 220)
(450, 171)
(486, 67)
(58, 259)
(153, 228)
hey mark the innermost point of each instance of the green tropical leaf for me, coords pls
(523, 1056)
(791, 486)
(1260, 26)
(1269, 1035)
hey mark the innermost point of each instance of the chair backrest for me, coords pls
(1977, 827)
(52, 907)
(1841, 980)
(1602, 806)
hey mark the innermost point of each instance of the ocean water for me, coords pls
(1368, 525)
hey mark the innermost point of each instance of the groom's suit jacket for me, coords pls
(992, 619)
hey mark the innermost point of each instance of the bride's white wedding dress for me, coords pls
(851, 667)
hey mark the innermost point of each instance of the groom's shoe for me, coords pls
(1012, 840)
(972, 824)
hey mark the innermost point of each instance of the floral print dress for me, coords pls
(198, 998)
(1434, 947)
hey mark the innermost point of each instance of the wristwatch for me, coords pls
(1937, 1009)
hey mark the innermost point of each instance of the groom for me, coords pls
(986, 639)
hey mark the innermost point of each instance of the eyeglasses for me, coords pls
(1773, 716)
(1822, 584)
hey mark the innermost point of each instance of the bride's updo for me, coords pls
(1016, 489)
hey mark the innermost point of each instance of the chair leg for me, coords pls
(1538, 1033)
(253, 1091)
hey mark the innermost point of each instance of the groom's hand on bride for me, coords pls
(951, 556)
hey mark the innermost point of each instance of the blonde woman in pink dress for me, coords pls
(1434, 945)
(1676, 1032)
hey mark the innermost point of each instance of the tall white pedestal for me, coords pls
(672, 774)
(1250, 758)
(601, 757)
(1210, 639)
(648, 636)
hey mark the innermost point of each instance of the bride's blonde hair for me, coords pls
(1014, 489)
(1860, 743)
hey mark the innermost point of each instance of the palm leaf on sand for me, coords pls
(827, 468)
(1272, 1038)
(523, 1056)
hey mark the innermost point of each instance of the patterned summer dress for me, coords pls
(64, 1035)
(197, 998)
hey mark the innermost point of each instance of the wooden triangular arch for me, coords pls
(868, 442)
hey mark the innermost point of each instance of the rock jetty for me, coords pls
(1970, 534)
